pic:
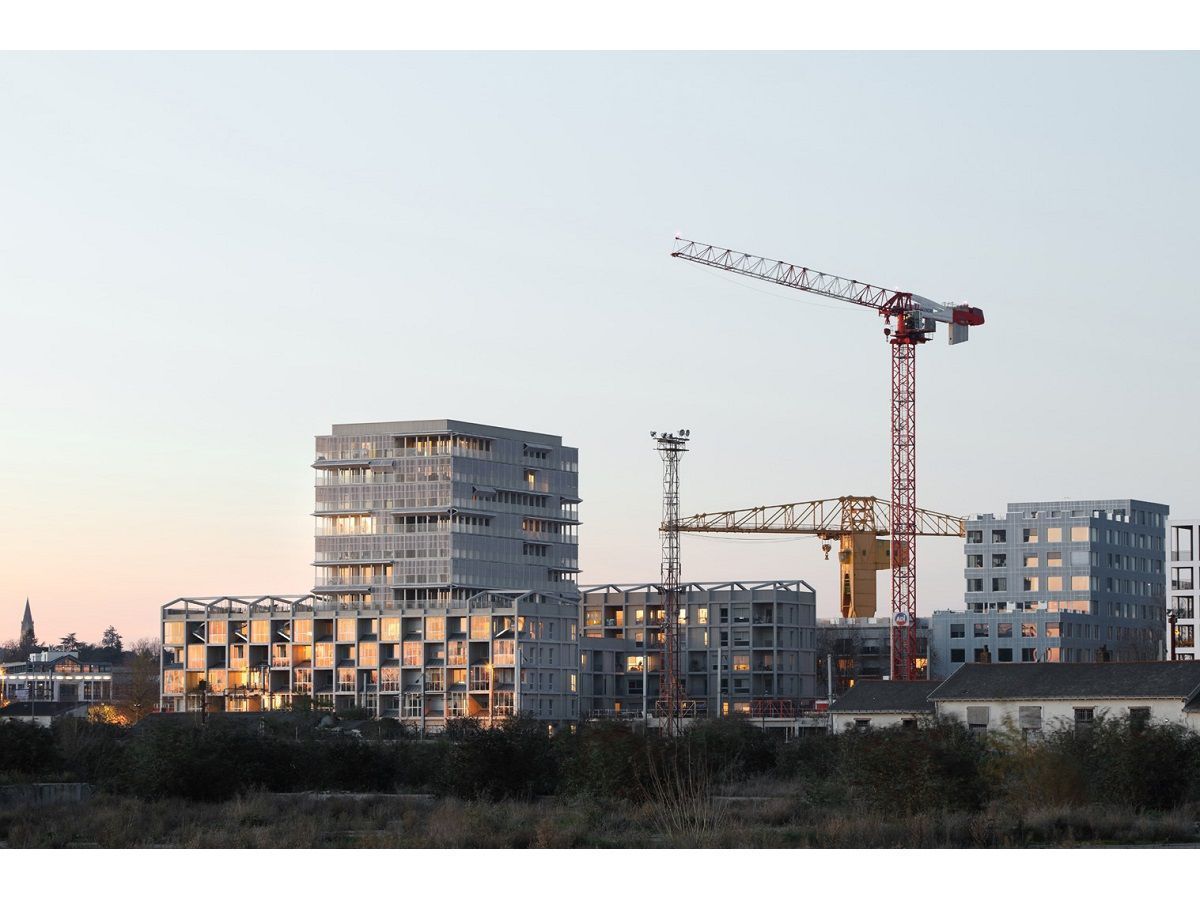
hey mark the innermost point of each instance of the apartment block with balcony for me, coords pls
(1058, 581)
(446, 556)
(436, 509)
(488, 657)
(1183, 576)
(748, 648)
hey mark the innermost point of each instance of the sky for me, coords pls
(210, 258)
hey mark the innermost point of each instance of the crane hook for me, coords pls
(825, 548)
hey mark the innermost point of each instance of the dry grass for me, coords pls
(303, 821)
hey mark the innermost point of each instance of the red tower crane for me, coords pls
(910, 320)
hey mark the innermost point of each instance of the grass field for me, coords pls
(260, 820)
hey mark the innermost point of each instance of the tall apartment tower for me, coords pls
(440, 509)
(1059, 581)
(1183, 578)
(446, 562)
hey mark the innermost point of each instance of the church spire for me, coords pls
(27, 635)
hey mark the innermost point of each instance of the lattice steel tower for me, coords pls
(672, 699)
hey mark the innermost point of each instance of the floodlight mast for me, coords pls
(672, 698)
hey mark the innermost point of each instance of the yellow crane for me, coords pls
(857, 523)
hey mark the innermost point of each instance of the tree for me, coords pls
(69, 643)
(141, 693)
(111, 639)
(29, 643)
(10, 651)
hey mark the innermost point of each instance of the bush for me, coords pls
(604, 760)
(512, 761)
(27, 751)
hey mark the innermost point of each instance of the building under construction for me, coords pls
(748, 648)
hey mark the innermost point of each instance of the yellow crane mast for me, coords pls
(857, 523)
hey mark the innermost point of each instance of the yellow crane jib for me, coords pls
(857, 523)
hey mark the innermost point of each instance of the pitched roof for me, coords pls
(40, 708)
(886, 696)
(1141, 680)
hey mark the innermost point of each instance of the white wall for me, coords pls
(845, 721)
(1061, 713)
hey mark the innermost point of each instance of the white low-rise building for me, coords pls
(1039, 697)
(882, 704)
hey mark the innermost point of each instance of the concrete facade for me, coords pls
(748, 647)
(445, 555)
(1183, 578)
(861, 651)
(1087, 574)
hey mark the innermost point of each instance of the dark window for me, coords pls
(999, 536)
(958, 629)
(1004, 629)
(1004, 654)
(974, 537)
(958, 655)
(1139, 717)
(981, 629)
(1028, 654)
(1084, 717)
(999, 559)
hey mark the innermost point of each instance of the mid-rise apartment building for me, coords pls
(446, 555)
(1059, 581)
(859, 649)
(1182, 579)
(748, 648)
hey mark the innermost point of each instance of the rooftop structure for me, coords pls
(55, 675)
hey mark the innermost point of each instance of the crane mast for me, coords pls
(910, 320)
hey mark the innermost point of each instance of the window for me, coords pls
(958, 629)
(1054, 535)
(1185, 607)
(974, 537)
(1181, 578)
(974, 585)
(1004, 629)
(435, 628)
(999, 584)
(1031, 560)
(1028, 654)
(1029, 629)
(977, 718)
(862, 724)
(1029, 719)
(982, 655)
(1029, 535)
(1054, 583)
(1053, 629)
(1185, 636)
(958, 655)
(1084, 717)
(347, 629)
(1139, 717)
(1181, 543)
(1080, 583)
(980, 629)
(974, 560)
(999, 559)
(1081, 533)
(1054, 559)
(999, 536)
(1004, 654)
(1030, 583)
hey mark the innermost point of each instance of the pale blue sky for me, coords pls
(208, 259)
